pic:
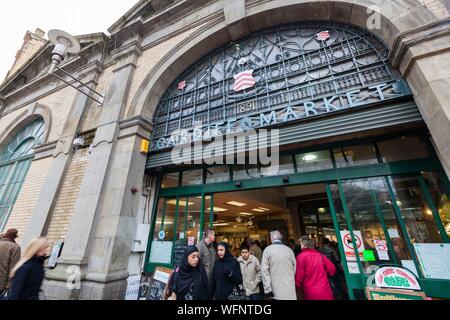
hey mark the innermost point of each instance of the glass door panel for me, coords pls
(373, 220)
(415, 212)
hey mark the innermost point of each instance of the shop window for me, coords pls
(159, 218)
(246, 172)
(194, 205)
(313, 161)
(192, 177)
(169, 219)
(359, 155)
(285, 166)
(217, 174)
(372, 217)
(171, 180)
(440, 197)
(416, 213)
(208, 223)
(403, 148)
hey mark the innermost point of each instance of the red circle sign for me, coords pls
(348, 241)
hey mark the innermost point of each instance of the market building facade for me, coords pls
(349, 99)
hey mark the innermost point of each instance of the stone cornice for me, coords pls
(135, 126)
(127, 54)
(404, 41)
(45, 150)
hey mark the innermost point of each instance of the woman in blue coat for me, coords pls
(226, 274)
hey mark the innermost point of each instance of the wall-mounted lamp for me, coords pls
(64, 44)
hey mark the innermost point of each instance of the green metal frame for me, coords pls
(437, 288)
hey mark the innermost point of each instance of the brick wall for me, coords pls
(439, 7)
(28, 195)
(66, 200)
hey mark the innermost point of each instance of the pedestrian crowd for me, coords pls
(280, 271)
(208, 271)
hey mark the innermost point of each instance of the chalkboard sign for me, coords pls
(159, 284)
(178, 252)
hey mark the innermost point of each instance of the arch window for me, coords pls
(307, 68)
(15, 161)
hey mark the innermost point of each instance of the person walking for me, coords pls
(278, 269)
(9, 256)
(208, 255)
(255, 250)
(313, 270)
(251, 274)
(28, 274)
(190, 281)
(226, 274)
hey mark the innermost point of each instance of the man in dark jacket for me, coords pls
(226, 274)
(9, 256)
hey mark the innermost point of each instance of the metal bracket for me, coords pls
(100, 99)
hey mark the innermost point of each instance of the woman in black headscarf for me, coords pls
(226, 273)
(189, 281)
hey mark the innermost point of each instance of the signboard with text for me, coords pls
(389, 294)
(396, 278)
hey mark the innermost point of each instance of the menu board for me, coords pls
(434, 259)
(161, 252)
(178, 252)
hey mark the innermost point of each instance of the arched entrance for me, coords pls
(357, 159)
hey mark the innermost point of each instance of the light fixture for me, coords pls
(322, 210)
(250, 223)
(217, 209)
(239, 220)
(181, 203)
(221, 224)
(259, 210)
(429, 212)
(310, 157)
(64, 44)
(245, 214)
(236, 204)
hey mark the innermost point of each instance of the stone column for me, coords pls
(41, 216)
(423, 57)
(101, 229)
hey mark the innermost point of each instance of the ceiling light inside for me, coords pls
(236, 204)
(245, 214)
(310, 157)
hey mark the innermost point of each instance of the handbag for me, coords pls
(4, 294)
(330, 279)
(238, 293)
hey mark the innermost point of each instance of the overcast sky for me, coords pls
(76, 17)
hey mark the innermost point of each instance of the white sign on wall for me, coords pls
(350, 248)
(161, 252)
(133, 288)
(434, 259)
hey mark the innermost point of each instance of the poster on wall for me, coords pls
(434, 259)
(159, 285)
(133, 286)
(348, 245)
(382, 249)
(161, 252)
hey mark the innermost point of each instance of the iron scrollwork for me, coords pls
(296, 76)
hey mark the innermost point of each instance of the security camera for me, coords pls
(78, 143)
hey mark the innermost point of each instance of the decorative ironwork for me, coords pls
(301, 70)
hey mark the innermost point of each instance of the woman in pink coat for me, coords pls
(313, 270)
